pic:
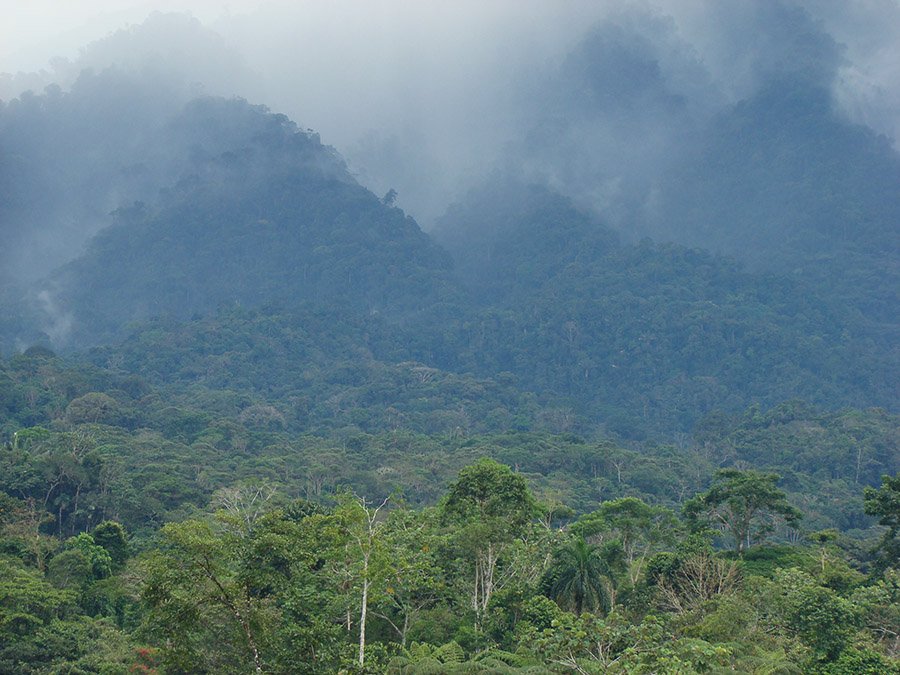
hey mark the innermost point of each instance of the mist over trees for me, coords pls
(501, 337)
(202, 204)
(444, 98)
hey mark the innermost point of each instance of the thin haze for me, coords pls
(425, 97)
(399, 47)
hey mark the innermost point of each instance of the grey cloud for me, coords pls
(427, 98)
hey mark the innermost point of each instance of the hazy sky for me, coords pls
(446, 43)
(331, 64)
(34, 31)
(439, 78)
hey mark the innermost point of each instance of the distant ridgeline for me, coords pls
(274, 219)
(596, 452)
(786, 184)
(528, 302)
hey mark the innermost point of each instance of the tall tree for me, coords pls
(492, 506)
(195, 591)
(359, 521)
(638, 526)
(746, 504)
(414, 579)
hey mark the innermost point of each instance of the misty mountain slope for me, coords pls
(266, 214)
(101, 131)
(649, 334)
(69, 158)
(613, 116)
(785, 184)
(634, 125)
(258, 214)
(506, 238)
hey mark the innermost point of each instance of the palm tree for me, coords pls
(576, 578)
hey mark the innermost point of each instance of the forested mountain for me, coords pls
(69, 158)
(266, 214)
(785, 184)
(631, 124)
(630, 406)
(634, 338)
(648, 334)
(99, 133)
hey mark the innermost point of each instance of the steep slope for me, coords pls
(649, 336)
(69, 158)
(93, 133)
(768, 169)
(784, 183)
(265, 215)
(634, 338)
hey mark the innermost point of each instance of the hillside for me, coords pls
(264, 214)
(784, 183)
(158, 493)
(640, 336)
(629, 406)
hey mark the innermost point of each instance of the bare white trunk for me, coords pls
(485, 567)
(362, 614)
(366, 545)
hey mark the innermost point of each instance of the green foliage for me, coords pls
(492, 508)
(41, 629)
(449, 653)
(638, 527)
(80, 562)
(29, 601)
(743, 503)
(879, 607)
(292, 226)
(764, 185)
(885, 503)
(576, 578)
(820, 618)
(490, 492)
(258, 583)
(851, 446)
(614, 645)
(112, 537)
(95, 408)
(854, 661)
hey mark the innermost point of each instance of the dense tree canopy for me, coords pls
(282, 429)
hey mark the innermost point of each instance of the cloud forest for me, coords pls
(408, 339)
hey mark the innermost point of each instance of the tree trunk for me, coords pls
(362, 612)
(257, 662)
(485, 566)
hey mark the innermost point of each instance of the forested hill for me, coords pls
(68, 158)
(266, 215)
(254, 418)
(214, 202)
(632, 125)
(136, 517)
(636, 339)
(650, 335)
(783, 182)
